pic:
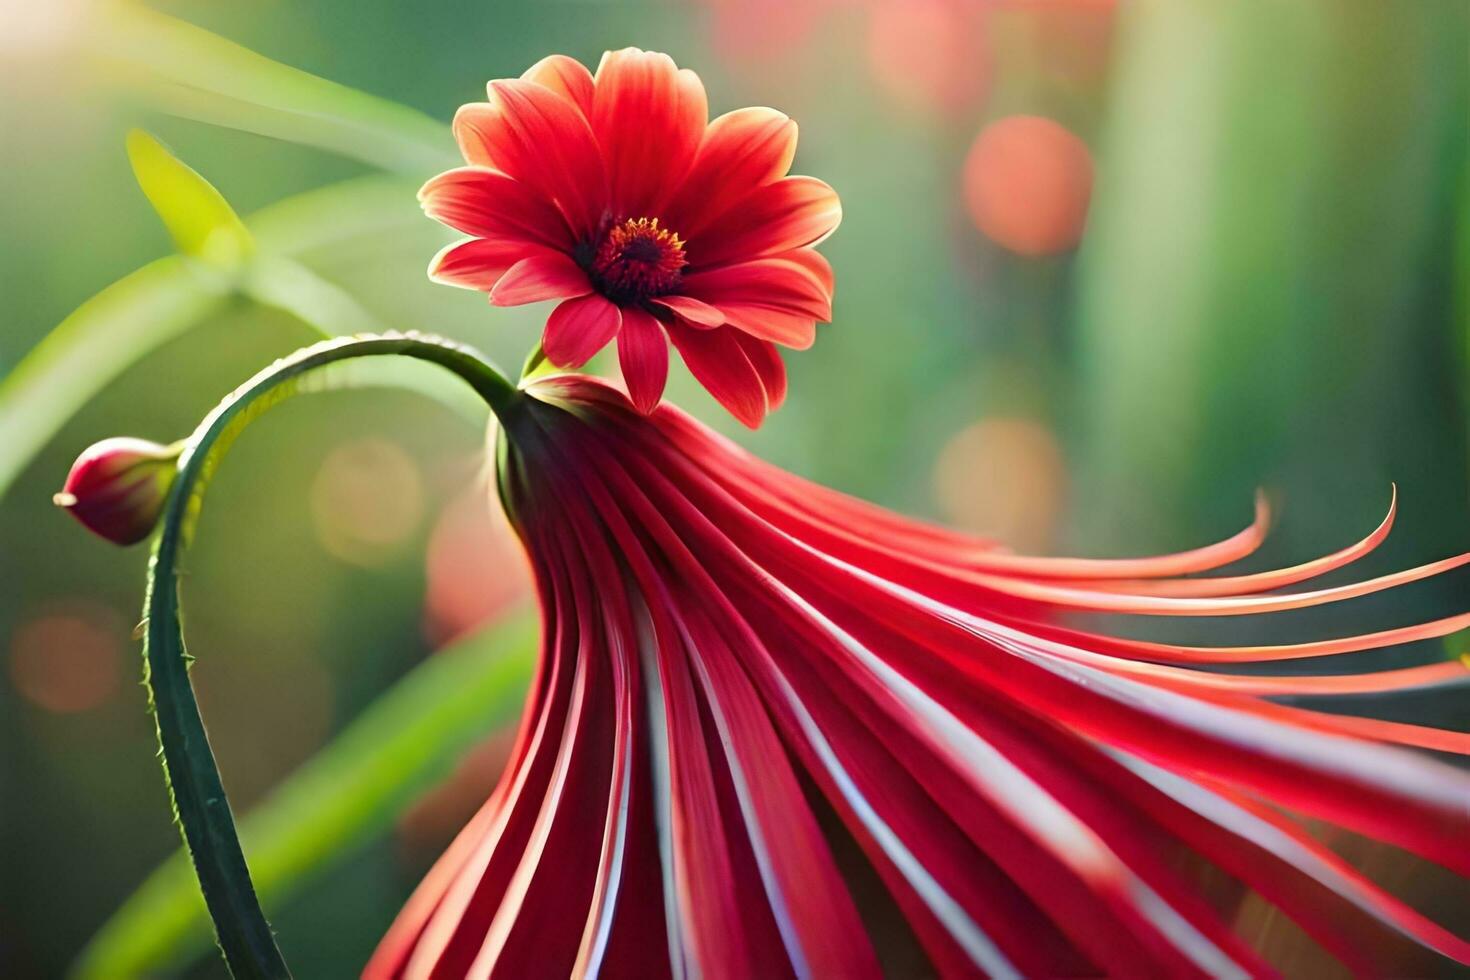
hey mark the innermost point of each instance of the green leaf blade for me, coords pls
(197, 216)
(339, 800)
(92, 346)
(187, 71)
(116, 328)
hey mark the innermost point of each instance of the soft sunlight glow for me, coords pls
(38, 26)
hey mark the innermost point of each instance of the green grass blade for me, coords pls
(96, 343)
(344, 796)
(116, 328)
(198, 218)
(200, 804)
(187, 71)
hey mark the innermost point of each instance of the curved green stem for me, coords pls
(200, 804)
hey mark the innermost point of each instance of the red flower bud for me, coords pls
(117, 487)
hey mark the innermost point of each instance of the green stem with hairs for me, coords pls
(199, 800)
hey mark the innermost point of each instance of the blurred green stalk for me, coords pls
(345, 796)
(187, 71)
(1265, 284)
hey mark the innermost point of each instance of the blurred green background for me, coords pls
(1242, 261)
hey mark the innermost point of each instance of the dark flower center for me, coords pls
(637, 260)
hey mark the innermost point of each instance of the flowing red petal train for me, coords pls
(777, 731)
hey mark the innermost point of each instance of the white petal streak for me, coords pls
(622, 773)
(779, 907)
(663, 799)
(1262, 833)
(963, 929)
(1028, 804)
(1403, 773)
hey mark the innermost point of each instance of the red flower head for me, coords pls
(614, 194)
(117, 487)
(778, 731)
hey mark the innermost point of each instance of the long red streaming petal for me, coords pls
(1229, 585)
(651, 518)
(1435, 842)
(1091, 600)
(757, 693)
(1180, 653)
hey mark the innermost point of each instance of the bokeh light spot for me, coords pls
(366, 500)
(1027, 184)
(68, 661)
(475, 566)
(930, 53)
(763, 31)
(1004, 478)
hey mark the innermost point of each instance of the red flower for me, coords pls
(614, 194)
(117, 487)
(772, 722)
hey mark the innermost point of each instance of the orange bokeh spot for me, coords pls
(764, 31)
(366, 501)
(68, 661)
(1003, 478)
(475, 567)
(930, 53)
(1027, 184)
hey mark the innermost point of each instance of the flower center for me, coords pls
(637, 260)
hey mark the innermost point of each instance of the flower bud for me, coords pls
(117, 487)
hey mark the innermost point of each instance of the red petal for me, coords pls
(716, 359)
(768, 364)
(815, 263)
(565, 76)
(793, 330)
(476, 264)
(741, 151)
(541, 139)
(643, 354)
(542, 275)
(780, 282)
(791, 213)
(1260, 581)
(696, 312)
(579, 328)
(649, 117)
(488, 204)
